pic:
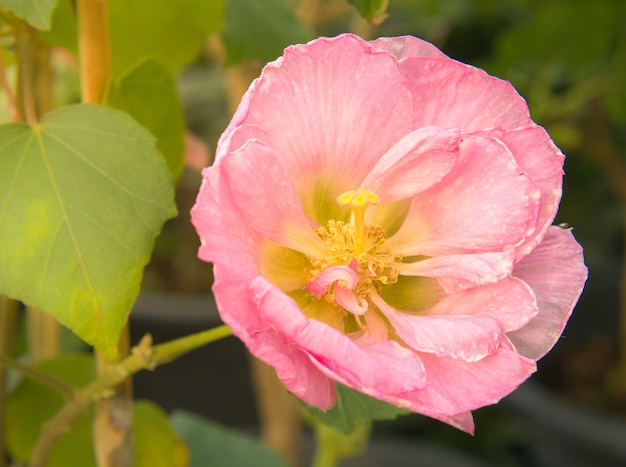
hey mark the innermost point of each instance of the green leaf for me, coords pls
(147, 92)
(171, 32)
(32, 403)
(37, 13)
(156, 442)
(538, 42)
(211, 444)
(615, 97)
(261, 30)
(352, 409)
(64, 30)
(82, 197)
(371, 10)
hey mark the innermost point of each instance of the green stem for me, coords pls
(325, 456)
(43, 334)
(9, 310)
(25, 54)
(93, 49)
(8, 92)
(143, 356)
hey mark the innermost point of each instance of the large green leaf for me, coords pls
(82, 197)
(371, 9)
(31, 403)
(37, 13)
(156, 442)
(211, 444)
(261, 30)
(353, 409)
(148, 93)
(171, 32)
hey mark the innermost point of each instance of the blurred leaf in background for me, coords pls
(212, 444)
(37, 13)
(172, 33)
(261, 30)
(147, 92)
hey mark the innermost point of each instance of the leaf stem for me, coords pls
(25, 53)
(325, 456)
(43, 335)
(143, 356)
(113, 421)
(9, 310)
(93, 49)
(14, 110)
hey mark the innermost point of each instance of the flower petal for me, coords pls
(407, 46)
(456, 387)
(241, 313)
(468, 338)
(510, 301)
(293, 367)
(457, 272)
(272, 207)
(347, 299)
(212, 211)
(542, 161)
(381, 368)
(329, 108)
(415, 163)
(486, 203)
(346, 275)
(556, 272)
(343, 279)
(317, 135)
(449, 93)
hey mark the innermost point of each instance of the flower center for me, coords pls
(357, 245)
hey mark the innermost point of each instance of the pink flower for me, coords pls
(379, 215)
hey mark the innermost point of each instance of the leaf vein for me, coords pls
(62, 206)
(108, 177)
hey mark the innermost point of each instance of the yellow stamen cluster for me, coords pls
(355, 241)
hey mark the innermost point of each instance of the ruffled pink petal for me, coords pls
(397, 366)
(415, 163)
(212, 211)
(332, 107)
(463, 421)
(449, 93)
(407, 46)
(294, 368)
(455, 387)
(240, 135)
(486, 203)
(343, 274)
(267, 199)
(343, 279)
(376, 330)
(347, 299)
(457, 272)
(468, 338)
(510, 301)
(556, 272)
(382, 368)
(542, 161)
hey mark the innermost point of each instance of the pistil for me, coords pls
(358, 201)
